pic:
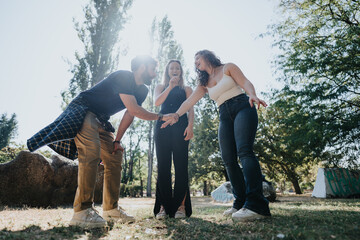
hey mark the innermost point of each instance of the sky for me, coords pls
(38, 40)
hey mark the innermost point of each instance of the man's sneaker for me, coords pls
(118, 214)
(161, 214)
(88, 218)
(180, 213)
(244, 215)
(229, 212)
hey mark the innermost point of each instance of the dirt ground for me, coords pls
(14, 219)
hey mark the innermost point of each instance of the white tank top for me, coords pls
(225, 89)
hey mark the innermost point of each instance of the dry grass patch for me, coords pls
(294, 217)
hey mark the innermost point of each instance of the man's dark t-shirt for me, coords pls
(103, 98)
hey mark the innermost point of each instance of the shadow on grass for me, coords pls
(35, 232)
(198, 228)
(293, 223)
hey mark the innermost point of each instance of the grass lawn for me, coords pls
(293, 217)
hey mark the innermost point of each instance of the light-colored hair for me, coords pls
(167, 76)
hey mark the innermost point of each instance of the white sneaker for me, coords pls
(229, 212)
(118, 214)
(245, 214)
(88, 218)
(180, 213)
(161, 214)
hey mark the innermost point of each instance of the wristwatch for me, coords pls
(160, 116)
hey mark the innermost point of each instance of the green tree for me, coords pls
(133, 150)
(99, 32)
(8, 154)
(164, 47)
(205, 163)
(134, 159)
(290, 138)
(320, 59)
(8, 128)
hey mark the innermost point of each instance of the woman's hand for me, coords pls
(174, 81)
(170, 118)
(254, 98)
(189, 133)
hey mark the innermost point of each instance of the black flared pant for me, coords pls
(170, 145)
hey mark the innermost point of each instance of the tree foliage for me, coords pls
(134, 159)
(164, 48)
(290, 139)
(8, 127)
(320, 62)
(205, 163)
(134, 152)
(99, 33)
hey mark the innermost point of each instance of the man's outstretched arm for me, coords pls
(135, 110)
(138, 111)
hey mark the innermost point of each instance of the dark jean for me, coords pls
(237, 129)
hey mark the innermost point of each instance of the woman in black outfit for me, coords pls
(173, 143)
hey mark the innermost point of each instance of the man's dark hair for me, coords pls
(142, 59)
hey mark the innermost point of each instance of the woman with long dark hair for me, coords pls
(172, 144)
(235, 96)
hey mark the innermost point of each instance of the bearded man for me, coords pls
(82, 131)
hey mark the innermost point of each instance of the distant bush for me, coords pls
(129, 190)
(9, 153)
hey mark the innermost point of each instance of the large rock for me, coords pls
(33, 180)
(224, 192)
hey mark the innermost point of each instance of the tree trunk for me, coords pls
(124, 170)
(141, 181)
(205, 189)
(296, 186)
(150, 162)
(148, 184)
(141, 187)
(131, 167)
(151, 143)
(295, 182)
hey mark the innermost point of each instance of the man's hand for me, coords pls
(117, 147)
(170, 118)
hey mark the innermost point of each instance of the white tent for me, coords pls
(336, 182)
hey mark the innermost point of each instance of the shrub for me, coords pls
(129, 190)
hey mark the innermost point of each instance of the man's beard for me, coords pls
(146, 77)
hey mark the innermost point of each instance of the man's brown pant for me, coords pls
(94, 143)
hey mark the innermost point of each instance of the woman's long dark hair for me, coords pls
(212, 59)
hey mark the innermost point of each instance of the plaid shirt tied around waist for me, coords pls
(60, 134)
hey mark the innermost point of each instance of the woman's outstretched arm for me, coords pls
(187, 104)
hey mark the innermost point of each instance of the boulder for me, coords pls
(269, 191)
(224, 192)
(33, 180)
